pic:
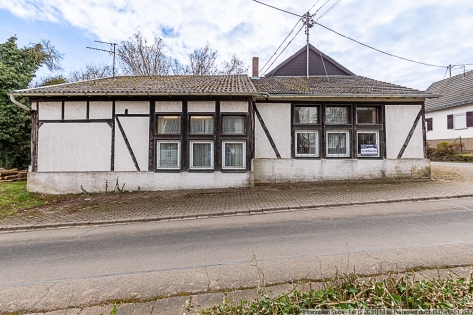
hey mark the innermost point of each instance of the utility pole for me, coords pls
(109, 51)
(309, 22)
(450, 68)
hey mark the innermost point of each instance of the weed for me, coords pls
(82, 189)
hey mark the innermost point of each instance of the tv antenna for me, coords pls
(112, 46)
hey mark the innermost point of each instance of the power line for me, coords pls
(277, 8)
(314, 5)
(280, 45)
(386, 53)
(328, 10)
(320, 8)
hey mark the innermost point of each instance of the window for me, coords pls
(368, 143)
(234, 154)
(338, 143)
(306, 115)
(201, 125)
(336, 115)
(168, 154)
(169, 125)
(459, 121)
(366, 115)
(306, 143)
(233, 124)
(429, 124)
(201, 154)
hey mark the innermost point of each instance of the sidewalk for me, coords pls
(449, 180)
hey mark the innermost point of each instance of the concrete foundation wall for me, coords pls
(399, 121)
(74, 147)
(277, 118)
(67, 182)
(298, 170)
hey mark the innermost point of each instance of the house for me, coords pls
(187, 132)
(450, 116)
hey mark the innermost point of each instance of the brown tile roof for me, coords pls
(331, 85)
(204, 85)
(455, 91)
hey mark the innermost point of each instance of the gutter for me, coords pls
(126, 94)
(265, 95)
(14, 101)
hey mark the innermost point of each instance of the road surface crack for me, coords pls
(208, 278)
(46, 293)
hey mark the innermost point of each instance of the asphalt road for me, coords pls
(51, 269)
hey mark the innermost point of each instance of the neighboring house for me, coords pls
(187, 132)
(451, 116)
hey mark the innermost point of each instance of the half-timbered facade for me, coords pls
(192, 132)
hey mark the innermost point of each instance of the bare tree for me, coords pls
(234, 66)
(44, 53)
(138, 58)
(51, 80)
(91, 72)
(203, 61)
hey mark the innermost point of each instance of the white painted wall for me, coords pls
(50, 110)
(133, 107)
(235, 107)
(67, 182)
(75, 110)
(69, 147)
(277, 118)
(168, 107)
(201, 106)
(299, 170)
(137, 132)
(100, 110)
(439, 121)
(399, 121)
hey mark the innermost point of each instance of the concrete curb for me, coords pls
(253, 211)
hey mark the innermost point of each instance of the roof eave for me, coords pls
(295, 96)
(33, 94)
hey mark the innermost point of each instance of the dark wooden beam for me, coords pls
(152, 142)
(411, 132)
(112, 149)
(266, 131)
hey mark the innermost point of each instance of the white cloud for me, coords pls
(431, 31)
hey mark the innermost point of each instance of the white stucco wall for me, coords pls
(299, 170)
(168, 107)
(75, 110)
(133, 107)
(277, 118)
(137, 132)
(69, 147)
(201, 106)
(67, 182)
(230, 106)
(399, 121)
(100, 110)
(439, 121)
(50, 110)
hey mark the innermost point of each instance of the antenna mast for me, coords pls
(309, 22)
(109, 51)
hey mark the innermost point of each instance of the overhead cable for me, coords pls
(277, 8)
(328, 10)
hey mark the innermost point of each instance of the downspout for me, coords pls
(14, 101)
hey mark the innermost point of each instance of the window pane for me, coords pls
(169, 125)
(168, 155)
(336, 115)
(368, 143)
(366, 115)
(201, 155)
(306, 115)
(233, 124)
(337, 144)
(234, 155)
(306, 143)
(202, 125)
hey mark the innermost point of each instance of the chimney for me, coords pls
(255, 67)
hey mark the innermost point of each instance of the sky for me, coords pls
(437, 32)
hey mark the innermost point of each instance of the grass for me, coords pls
(352, 292)
(14, 199)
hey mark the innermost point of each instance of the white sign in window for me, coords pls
(338, 143)
(168, 155)
(202, 154)
(233, 154)
(459, 121)
(306, 143)
(368, 143)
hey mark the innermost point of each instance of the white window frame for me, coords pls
(316, 143)
(178, 155)
(191, 155)
(456, 118)
(223, 155)
(377, 143)
(348, 140)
